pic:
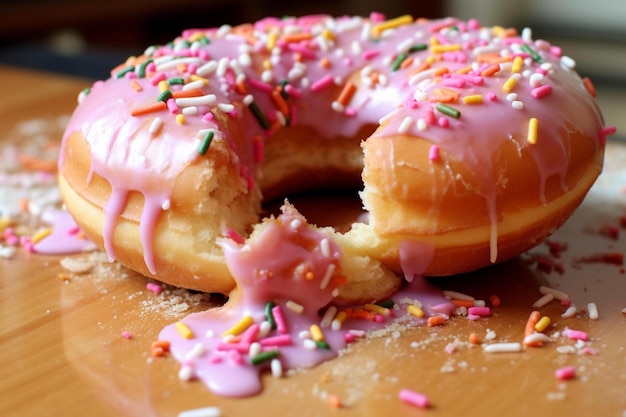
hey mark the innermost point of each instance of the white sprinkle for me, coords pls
(245, 60)
(254, 349)
(295, 223)
(536, 337)
(267, 76)
(570, 312)
(568, 62)
(196, 101)
(222, 66)
(309, 344)
(193, 85)
(327, 276)
(517, 105)
(247, 100)
(527, 34)
(325, 248)
(356, 48)
(210, 334)
(223, 31)
(536, 79)
(422, 126)
(336, 325)
(226, 107)
(201, 412)
(175, 62)
(295, 307)
(185, 373)
(304, 334)
(206, 69)
(420, 76)
(338, 107)
(277, 368)
(264, 329)
(511, 96)
(197, 351)
(454, 295)
(479, 303)
(190, 111)
(542, 301)
(328, 316)
(503, 347)
(405, 45)
(559, 295)
(592, 308)
(155, 126)
(167, 204)
(405, 125)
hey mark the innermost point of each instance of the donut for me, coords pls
(469, 145)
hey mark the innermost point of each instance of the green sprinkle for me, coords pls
(141, 71)
(448, 110)
(269, 316)
(417, 48)
(206, 142)
(398, 61)
(256, 111)
(322, 345)
(533, 54)
(204, 40)
(264, 357)
(124, 71)
(386, 303)
(283, 93)
(164, 96)
(176, 81)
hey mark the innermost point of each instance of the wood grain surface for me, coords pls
(62, 352)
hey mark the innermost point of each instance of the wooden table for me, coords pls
(62, 351)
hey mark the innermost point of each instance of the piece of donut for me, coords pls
(471, 145)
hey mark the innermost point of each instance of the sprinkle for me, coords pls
(201, 412)
(164, 96)
(405, 125)
(494, 300)
(533, 126)
(448, 110)
(510, 84)
(536, 340)
(517, 105)
(518, 63)
(565, 373)
(415, 311)
(433, 153)
(264, 357)
(378, 29)
(592, 309)
(180, 119)
(576, 334)
(436, 321)
(490, 70)
(398, 61)
(240, 326)
(346, 93)
(316, 333)
(541, 91)
(322, 83)
(542, 324)
(183, 330)
(568, 62)
(325, 248)
(127, 335)
(258, 114)
(269, 316)
(338, 320)
(150, 108)
(327, 276)
(281, 324)
(479, 311)
(204, 100)
(473, 99)
(155, 126)
(375, 308)
(276, 367)
(591, 89)
(206, 142)
(121, 73)
(154, 287)
(414, 398)
(439, 49)
(569, 312)
(41, 234)
(457, 295)
(544, 300)
(295, 307)
(503, 347)
(533, 54)
(533, 318)
(605, 132)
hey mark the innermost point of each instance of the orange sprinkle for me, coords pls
(163, 344)
(346, 94)
(324, 63)
(463, 303)
(297, 37)
(362, 314)
(150, 108)
(29, 162)
(441, 71)
(589, 86)
(464, 70)
(23, 203)
(407, 63)
(532, 321)
(494, 300)
(334, 401)
(136, 86)
(240, 87)
(493, 58)
(195, 92)
(422, 67)
(490, 70)
(509, 33)
(436, 321)
(473, 339)
(280, 102)
(64, 277)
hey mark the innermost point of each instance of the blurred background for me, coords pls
(88, 37)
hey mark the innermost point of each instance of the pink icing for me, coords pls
(296, 275)
(65, 237)
(131, 158)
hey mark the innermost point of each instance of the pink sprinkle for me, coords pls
(433, 153)
(73, 230)
(155, 288)
(281, 324)
(158, 78)
(208, 117)
(127, 335)
(350, 112)
(429, 116)
(491, 96)
(280, 340)
(576, 334)
(349, 337)
(565, 373)
(371, 54)
(556, 51)
(260, 85)
(443, 122)
(250, 334)
(322, 83)
(131, 75)
(379, 318)
(480, 311)
(231, 234)
(293, 91)
(171, 105)
(215, 358)
(377, 17)
(453, 82)
(473, 24)
(12, 240)
(539, 92)
(414, 398)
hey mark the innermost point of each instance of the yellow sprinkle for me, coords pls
(5, 221)
(328, 34)
(196, 36)
(341, 317)
(163, 86)
(434, 41)
(267, 64)
(542, 324)
(271, 40)
(180, 119)
(498, 30)
(437, 49)
(375, 308)
(43, 233)
(415, 311)
(195, 77)
(295, 307)
(184, 331)
(240, 326)
(518, 63)
(510, 84)
(533, 126)
(391, 23)
(473, 99)
(316, 333)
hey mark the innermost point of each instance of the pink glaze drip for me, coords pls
(65, 237)
(226, 368)
(130, 158)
